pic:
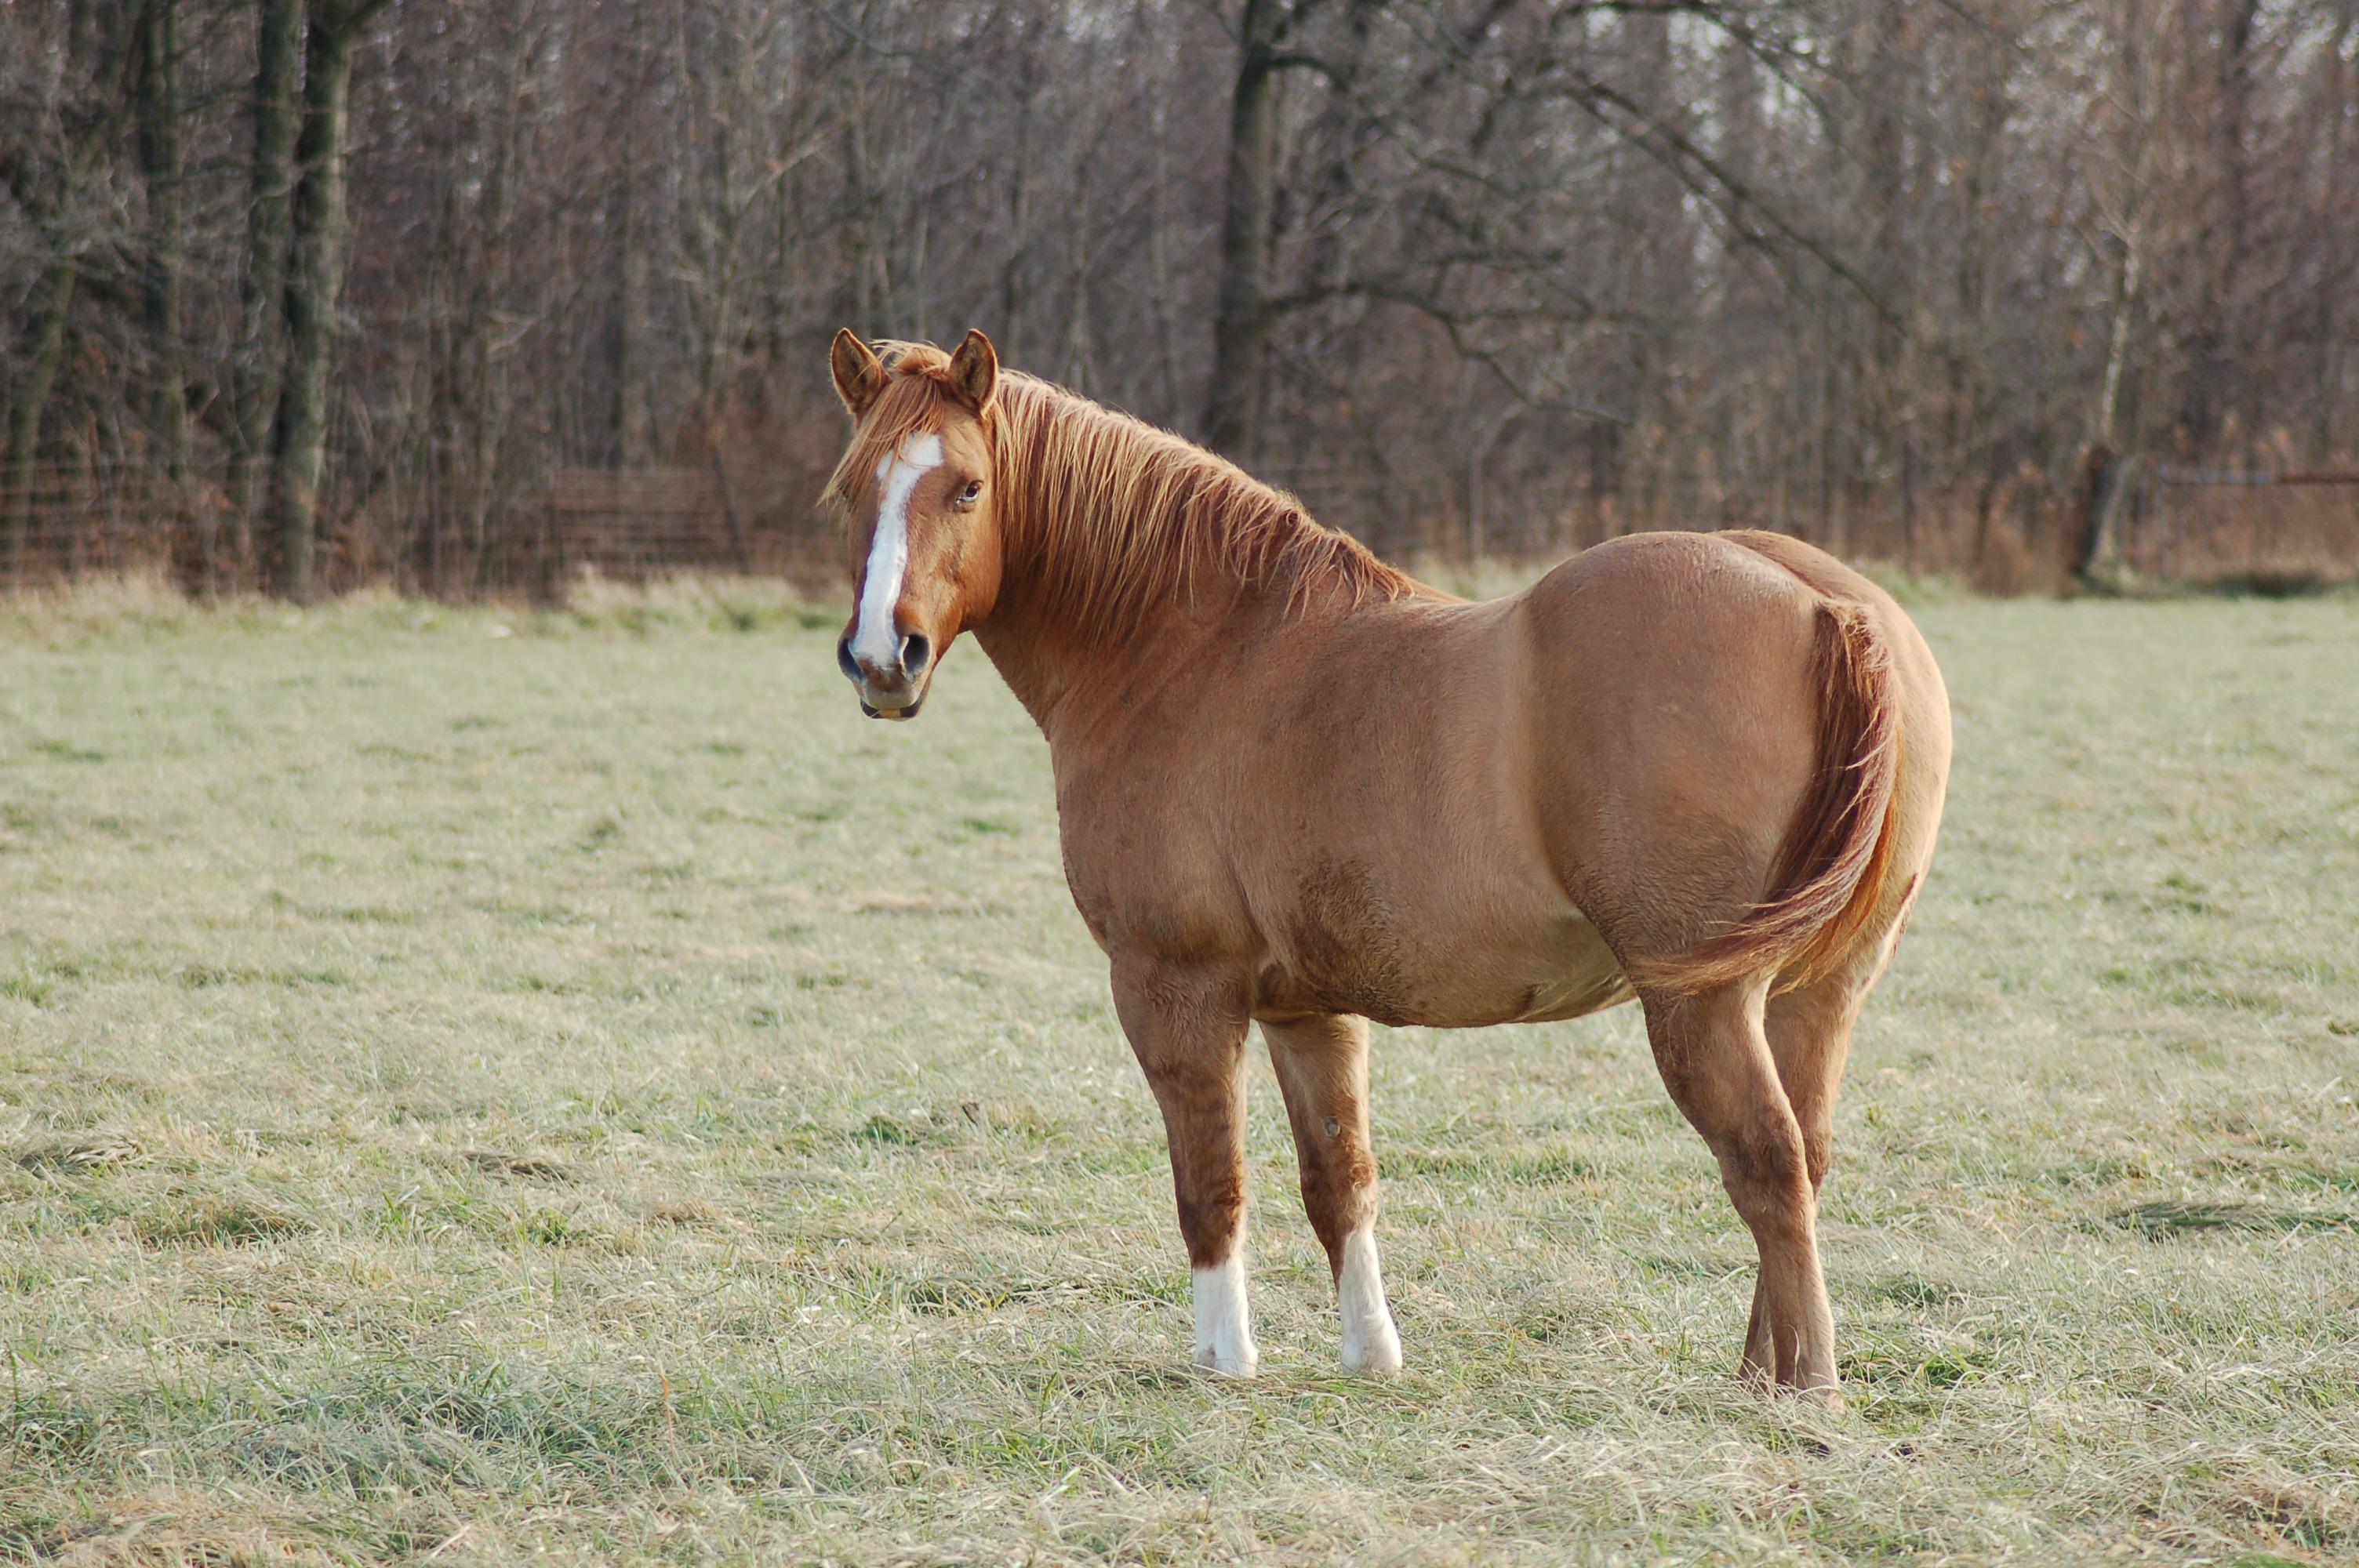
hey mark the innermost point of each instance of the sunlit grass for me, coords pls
(492, 1083)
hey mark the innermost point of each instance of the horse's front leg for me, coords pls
(1187, 1023)
(1322, 1065)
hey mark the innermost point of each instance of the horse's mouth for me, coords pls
(893, 701)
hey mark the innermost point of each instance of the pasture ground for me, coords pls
(478, 1086)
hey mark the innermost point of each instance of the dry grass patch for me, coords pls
(496, 1083)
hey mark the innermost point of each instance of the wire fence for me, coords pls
(60, 521)
(2265, 529)
(2260, 527)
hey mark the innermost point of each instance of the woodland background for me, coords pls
(302, 293)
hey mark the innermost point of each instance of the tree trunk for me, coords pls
(160, 165)
(1889, 438)
(262, 293)
(2212, 349)
(2331, 414)
(320, 230)
(1241, 326)
(31, 400)
(53, 295)
(634, 427)
(2100, 477)
(2137, 68)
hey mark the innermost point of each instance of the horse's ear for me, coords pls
(859, 374)
(975, 372)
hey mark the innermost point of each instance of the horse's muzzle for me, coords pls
(896, 694)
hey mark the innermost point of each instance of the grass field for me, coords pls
(478, 1087)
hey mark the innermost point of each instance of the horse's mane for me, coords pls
(1110, 515)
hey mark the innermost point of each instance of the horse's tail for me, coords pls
(1831, 869)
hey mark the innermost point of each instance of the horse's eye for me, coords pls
(971, 493)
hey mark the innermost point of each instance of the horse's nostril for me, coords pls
(843, 659)
(915, 653)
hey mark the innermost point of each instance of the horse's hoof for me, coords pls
(1222, 1368)
(1827, 1397)
(1379, 1356)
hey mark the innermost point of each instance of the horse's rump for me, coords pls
(1832, 865)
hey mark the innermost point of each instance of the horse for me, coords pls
(1296, 787)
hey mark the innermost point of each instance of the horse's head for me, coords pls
(915, 489)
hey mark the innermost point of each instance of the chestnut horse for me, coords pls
(1298, 788)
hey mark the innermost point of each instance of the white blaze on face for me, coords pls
(876, 642)
(1223, 1327)
(1371, 1343)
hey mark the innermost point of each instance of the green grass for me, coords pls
(584, 1093)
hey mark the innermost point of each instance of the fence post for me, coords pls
(729, 514)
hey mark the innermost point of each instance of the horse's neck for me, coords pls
(1056, 666)
(1061, 672)
(1213, 559)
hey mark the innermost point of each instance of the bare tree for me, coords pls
(259, 360)
(49, 175)
(1499, 274)
(315, 275)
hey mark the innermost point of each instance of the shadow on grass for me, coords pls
(2164, 1219)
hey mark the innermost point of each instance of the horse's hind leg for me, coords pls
(1187, 1025)
(1809, 1029)
(1322, 1065)
(1714, 1056)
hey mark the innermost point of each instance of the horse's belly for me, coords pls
(1584, 977)
(1563, 971)
(1421, 973)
